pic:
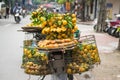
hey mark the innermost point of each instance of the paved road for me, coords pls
(11, 51)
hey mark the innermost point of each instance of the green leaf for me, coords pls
(69, 25)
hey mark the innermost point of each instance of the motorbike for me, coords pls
(112, 26)
(17, 16)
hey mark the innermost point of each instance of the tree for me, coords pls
(63, 1)
(83, 10)
(6, 2)
(119, 44)
(102, 16)
(37, 2)
(118, 29)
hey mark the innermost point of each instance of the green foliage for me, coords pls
(37, 1)
(6, 2)
(63, 1)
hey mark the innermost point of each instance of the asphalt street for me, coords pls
(11, 51)
(11, 42)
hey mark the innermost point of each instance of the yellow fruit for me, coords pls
(84, 55)
(70, 65)
(42, 54)
(94, 46)
(43, 31)
(25, 50)
(59, 37)
(42, 19)
(63, 28)
(58, 30)
(74, 20)
(64, 22)
(69, 71)
(85, 50)
(34, 13)
(47, 30)
(60, 18)
(73, 15)
(93, 54)
(30, 56)
(68, 14)
(51, 26)
(54, 25)
(88, 47)
(36, 54)
(63, 35)
(75, 28)
(50, 23)
(29, 63)
(81, 69)
(44, 58)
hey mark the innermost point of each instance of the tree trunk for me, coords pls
(102, 16)
(83, 10)
(119, 44)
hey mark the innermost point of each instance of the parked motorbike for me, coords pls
(17, 16)
(112, 27)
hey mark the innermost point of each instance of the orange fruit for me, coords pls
(64, 22)
(60, 18)
(69, 71)
(75, 28)
(42, 19)
(74, 20)
(85, 50)
(73, 31)
(73, 15)
(81, 69)
(88, 47)
(50, 23)
(30, 56)
(44, 24)
(93, 54)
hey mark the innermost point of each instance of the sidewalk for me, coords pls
(109, 69)
(84, 23)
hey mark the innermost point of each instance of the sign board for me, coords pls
(109, 5)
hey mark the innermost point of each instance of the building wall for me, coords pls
(114, 9)
(94, 13)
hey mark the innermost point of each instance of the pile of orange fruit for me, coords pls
(54, 25)
(84, 56)
(60, 26)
